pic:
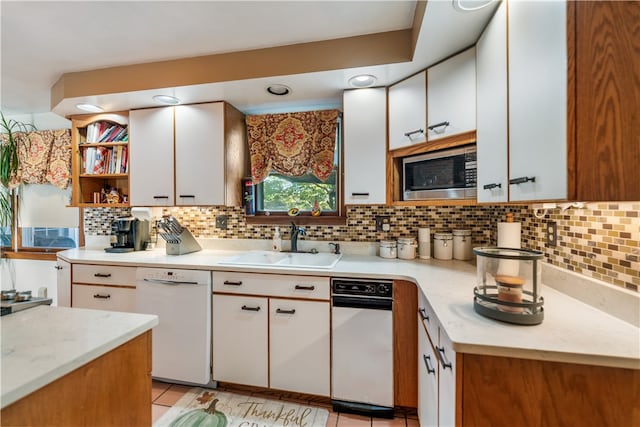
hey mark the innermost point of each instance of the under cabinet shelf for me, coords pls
(104, 175)
(103, 205)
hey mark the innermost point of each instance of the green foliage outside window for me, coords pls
(281, 193)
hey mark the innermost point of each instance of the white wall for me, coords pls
(43, 121)
(29, 275)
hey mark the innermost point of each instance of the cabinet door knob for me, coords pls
(104, 275)
(359, 194)
(99, 296)
(281, 311)
(491, 186)
(160, 197)
(57, 267)
(247, 308)
(522, 180)
(305, 288)
(413, 132)
(430, 369)
(231, 283)
(443, 361)
(189, 196)
(435, 127)
(423, 314)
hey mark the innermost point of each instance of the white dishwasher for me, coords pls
(362, 346)
(181, 342)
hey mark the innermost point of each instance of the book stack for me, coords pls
(106, 132)
(105, 160)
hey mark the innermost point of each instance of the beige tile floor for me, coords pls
(165, 395)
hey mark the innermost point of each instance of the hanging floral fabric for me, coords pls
(59, 165)
(292, 144)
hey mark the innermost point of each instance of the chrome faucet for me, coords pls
(295, 231)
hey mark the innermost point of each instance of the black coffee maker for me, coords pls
(132, 234)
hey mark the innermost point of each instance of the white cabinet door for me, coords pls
(408, 111)
(63, 283)
(299, 346)
(427, 380)
(451, 91)
(104, 298)
(151, 157)
(365, 135)
(492, 143)
(200, 174)
(537, 100)
(240, 339)
(447, 379)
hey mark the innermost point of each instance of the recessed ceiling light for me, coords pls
(90, 108)
(470, 5)
(362, 80)
(166, 99)
(279, 90)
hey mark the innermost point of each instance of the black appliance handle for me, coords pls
(363, 303)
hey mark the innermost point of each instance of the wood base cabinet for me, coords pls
(104, 287)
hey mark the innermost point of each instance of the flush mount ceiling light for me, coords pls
(470, 5)
(166, 99)
(90, 108)
(362, 80)
(279, 90)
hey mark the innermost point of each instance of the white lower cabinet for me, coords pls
(63, 281)
(272, 331)
(240, 339)
(299, 346)
(446, 382)
(427, 380)
(110, 298)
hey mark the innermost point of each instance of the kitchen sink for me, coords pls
(284, 259)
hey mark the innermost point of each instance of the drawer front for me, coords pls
(275, 285)
(425, 313)
(104, 274)
(104, 298)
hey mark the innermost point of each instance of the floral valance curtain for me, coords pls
(292, 144)
(44, 157)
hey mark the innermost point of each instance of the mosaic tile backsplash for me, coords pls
(601, 240)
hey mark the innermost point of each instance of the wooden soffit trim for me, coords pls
(349, 52)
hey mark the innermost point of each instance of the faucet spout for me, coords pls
(295, 231)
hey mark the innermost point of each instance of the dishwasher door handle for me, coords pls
(169, 282)
(363, 303)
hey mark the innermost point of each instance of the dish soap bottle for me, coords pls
(277, 240)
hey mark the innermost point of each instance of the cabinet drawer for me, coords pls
(425, 313)
(275, 285)
(103, 298)
(104, 274)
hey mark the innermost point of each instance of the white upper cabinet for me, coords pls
(537, 100)
(200, 163)
(451, 91)
(407, 111)
(151, 157)
(365, 130)
(492, 143)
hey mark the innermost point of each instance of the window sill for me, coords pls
(299, 220)
(49, 255)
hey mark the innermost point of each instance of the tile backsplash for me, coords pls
(601, 240)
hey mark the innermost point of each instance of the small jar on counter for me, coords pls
(407, 247)
(388, 249)
(462, 245)
(443, 246)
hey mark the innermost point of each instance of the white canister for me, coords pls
(388, 249)
(424, 243)
(462, 245)
(407, 247)
(443, 245)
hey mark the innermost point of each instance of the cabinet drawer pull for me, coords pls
(413, 132)
(522, 180)
(102, 296)
(160, 197)
(359, 194)
(231, 283)
(442, 125)
(444, 363)
(491, 186)
(423, 314)
(57, 267)
(305, 288)
(246, 308)
(103, 275)
(427, 359)
(190, 196)
(281, 311)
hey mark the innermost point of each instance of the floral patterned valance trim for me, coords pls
(44, 157)
(292, 144)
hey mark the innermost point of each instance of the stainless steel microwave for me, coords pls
(445, 174)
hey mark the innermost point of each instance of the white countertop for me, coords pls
(572, 331)
(42, 344)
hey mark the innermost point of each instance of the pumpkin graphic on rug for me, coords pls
(201, 418)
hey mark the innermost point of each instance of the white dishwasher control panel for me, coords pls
(174, 275)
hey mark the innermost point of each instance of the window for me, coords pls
(277, 194)
(49, 237)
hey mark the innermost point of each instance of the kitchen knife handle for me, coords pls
(281, 311)
(103, 275)
(247, 308)
(430, 370)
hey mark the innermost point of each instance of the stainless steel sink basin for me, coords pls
(284, 259)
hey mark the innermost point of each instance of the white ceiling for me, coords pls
(41, 40)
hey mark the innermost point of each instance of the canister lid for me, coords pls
(462, 232)
(406, 240)
(388, 243)
(443, 236)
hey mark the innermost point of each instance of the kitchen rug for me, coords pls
(200, 407)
